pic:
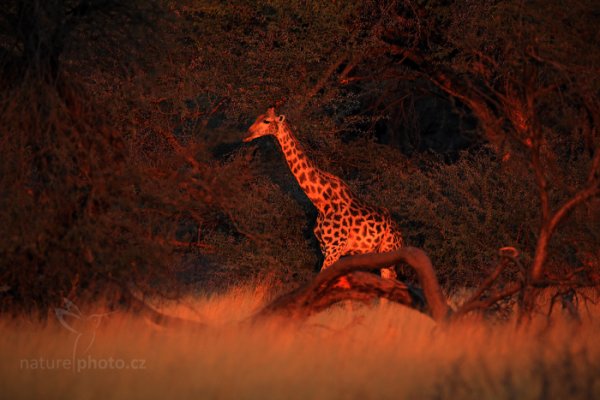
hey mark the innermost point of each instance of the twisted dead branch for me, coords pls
(322, 292)
(365, 287)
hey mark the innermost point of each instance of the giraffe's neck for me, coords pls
(321, 188)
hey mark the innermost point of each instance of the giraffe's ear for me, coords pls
(281, 118)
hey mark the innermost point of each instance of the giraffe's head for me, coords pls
(265, 124)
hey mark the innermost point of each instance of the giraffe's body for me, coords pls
(345, 224)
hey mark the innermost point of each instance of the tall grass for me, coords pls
(379, 352)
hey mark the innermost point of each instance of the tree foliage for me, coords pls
(476, 124)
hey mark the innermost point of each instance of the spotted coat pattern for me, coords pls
(345, 225)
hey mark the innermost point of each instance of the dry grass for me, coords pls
(381, 352)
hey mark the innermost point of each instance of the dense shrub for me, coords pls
(122, 163)
(75, 214)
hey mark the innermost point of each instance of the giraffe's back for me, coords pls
(372, 229)
(357, 229)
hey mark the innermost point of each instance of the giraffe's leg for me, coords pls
(331, 257)
(387, 273)
(392, 243)
(390, 272)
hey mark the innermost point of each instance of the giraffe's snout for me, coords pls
(248, 138)
(254, 132)
(251, 136)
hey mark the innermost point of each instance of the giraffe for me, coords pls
(345, 224)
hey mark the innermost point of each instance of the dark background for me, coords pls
(121, 123)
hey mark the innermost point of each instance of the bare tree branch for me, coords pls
(537, 268)
(475, 304)
(321, 82)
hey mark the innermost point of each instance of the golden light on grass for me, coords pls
(380, 352)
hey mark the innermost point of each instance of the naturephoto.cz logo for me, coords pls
(83, 327)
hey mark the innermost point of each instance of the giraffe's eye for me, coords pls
(266, 121)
